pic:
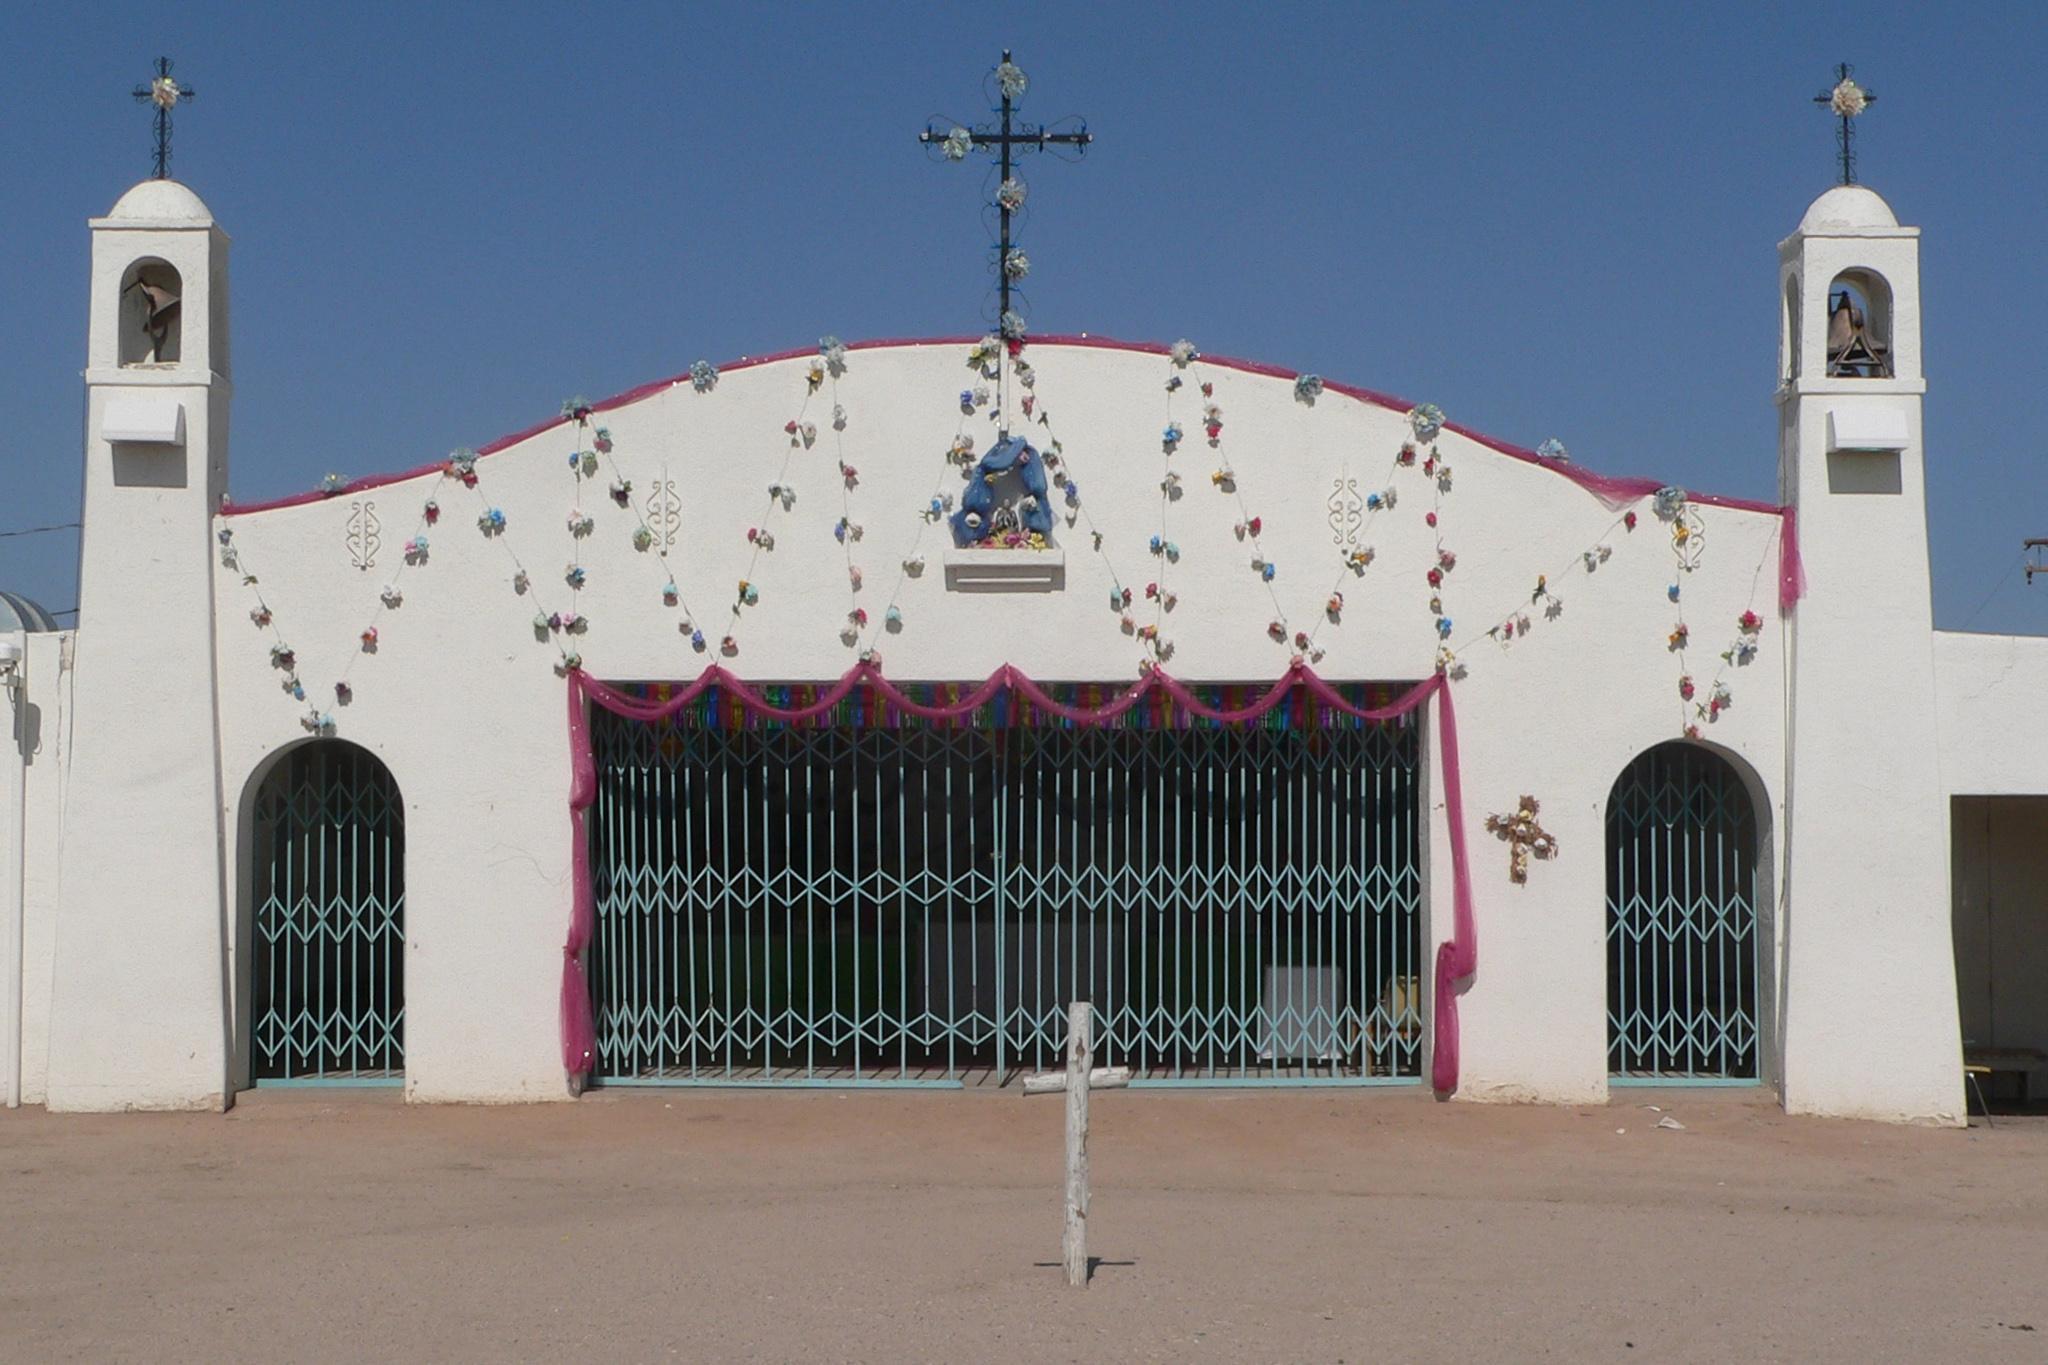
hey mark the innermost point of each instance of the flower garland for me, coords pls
(491, 524)
(1424, 423)
(1000, 358)
(1159, 592)
(1249, 528)
(933, 513)
(829, 366)
(601, 450)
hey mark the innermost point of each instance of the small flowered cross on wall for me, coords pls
(1525, 836)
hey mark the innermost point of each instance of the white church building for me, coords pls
(835, 717)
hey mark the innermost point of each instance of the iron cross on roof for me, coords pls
(164, 93)
(1846, 99)
(1008, 138)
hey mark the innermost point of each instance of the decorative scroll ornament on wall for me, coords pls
(361, 536)
(1347, 512)
(663, 512)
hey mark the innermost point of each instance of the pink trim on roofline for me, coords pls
(1578, 474)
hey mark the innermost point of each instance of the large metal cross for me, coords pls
(164, 93)
(1845, 100)
(1009, 139)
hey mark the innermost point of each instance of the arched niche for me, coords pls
(320, 940)
(1859, 328)
(1788, 332)
(152, 321)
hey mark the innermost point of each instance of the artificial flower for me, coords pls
(1426, 420)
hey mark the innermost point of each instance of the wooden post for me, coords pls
(1080, 1059)
(1077, 1080)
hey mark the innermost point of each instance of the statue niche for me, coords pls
(151, 320)
(1005, 506)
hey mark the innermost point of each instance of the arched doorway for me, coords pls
(1682, 923)
(326, 983)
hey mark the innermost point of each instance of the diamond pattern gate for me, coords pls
(1682, 937)
(327, 935)
(914, 904)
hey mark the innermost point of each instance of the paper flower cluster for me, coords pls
(1426, 420)
(1524, 837)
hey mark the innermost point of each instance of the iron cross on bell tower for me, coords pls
(1008, 139)
(164, 93)
(1845, 100)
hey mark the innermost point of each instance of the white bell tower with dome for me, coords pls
(1870, 1006)
(138, 1006)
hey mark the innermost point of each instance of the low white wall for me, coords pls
(465, 707)
(43, 736)
(1990, 692)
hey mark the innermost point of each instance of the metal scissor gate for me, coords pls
(1682, 937)
(898, 903)
(327, 930)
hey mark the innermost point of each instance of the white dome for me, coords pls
(1848, 206)
(159, 200)
(18, 613)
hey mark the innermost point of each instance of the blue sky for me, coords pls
(1549, 220)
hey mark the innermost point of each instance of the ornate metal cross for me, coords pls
(164, 93)
(1845, 100)
(1008, 138)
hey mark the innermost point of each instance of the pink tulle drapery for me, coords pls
(1456, 958)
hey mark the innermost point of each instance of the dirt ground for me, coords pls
(720, 1225)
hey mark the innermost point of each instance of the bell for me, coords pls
(1852, 352)
(159, 304)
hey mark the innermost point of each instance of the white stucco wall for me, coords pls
(1989, 692)
(47, 746)
(465, 707)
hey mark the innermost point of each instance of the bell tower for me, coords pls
(138, 1012)
(1870, 1002)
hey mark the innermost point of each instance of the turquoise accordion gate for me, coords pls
(327, 931)
(905, 904)
(1682, 938)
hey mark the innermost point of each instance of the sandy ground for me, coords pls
(714, 1225)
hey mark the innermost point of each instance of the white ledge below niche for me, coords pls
(1006, 570)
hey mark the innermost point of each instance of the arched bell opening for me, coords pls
(1859, 338)
(151, 328)
(1788, 334)
(322, 935)
(1686, 928)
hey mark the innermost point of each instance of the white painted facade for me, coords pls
(133, 986)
